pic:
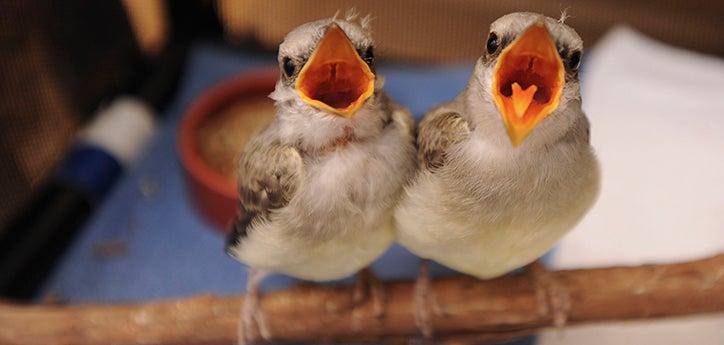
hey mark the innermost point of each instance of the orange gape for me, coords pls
(528, 81)
(335, 78)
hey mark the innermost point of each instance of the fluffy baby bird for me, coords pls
(318, 187)
(506, 168)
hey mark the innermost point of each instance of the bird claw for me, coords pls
(368, 285)
(251, 313)
(262, 325)
(253, 316)
(424, 296)
(553, 299)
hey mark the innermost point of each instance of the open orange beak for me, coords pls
(335, 78)
(528, 81)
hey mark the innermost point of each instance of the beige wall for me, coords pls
(443, 31)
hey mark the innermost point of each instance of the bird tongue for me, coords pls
(522, 98)
(528, 81)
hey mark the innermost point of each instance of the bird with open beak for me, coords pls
(506, 168)
(318, 187)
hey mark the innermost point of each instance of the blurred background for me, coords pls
(97, 204)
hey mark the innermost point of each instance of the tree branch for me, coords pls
(483, 310)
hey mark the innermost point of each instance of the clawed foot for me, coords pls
(368, 286)
(553, 298)
(251, 314)
(425, 301)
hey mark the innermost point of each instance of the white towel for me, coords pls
(657, 118)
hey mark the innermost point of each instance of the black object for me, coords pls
(32, 242)
(38, 235)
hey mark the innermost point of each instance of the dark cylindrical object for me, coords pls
(37, 237)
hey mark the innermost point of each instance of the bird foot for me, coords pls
(252, 315)
(553, 299)
(368, 286)
(425, 301)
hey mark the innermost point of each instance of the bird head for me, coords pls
(529, 72)
(327, 66)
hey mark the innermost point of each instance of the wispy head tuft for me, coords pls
(564, 16)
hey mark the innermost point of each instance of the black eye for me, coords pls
(288, 66)
(493, 43)
(574, 60)
(563, 52)
(369, 55)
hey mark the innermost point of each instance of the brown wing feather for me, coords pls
(268, 178)
(436, 133)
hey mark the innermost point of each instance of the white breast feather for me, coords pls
(489, 212)
(340, 220)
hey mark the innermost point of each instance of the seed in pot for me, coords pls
(222, 137)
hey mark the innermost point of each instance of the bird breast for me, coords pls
(485, 214)
(351, 188)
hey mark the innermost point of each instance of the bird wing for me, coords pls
(401, 116)
(268, 177)
(437, 131)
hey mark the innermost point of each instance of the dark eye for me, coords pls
(369, 55)
(493, 43)
(288, 66)
(563, 52)
(574, 60)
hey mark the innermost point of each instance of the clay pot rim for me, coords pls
(254, 82)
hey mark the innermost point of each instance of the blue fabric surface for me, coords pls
(166, 249)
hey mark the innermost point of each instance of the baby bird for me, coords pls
(318, 187)
(506, 168)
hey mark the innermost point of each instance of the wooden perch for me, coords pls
(482, 310)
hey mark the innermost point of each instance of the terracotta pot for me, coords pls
(214, 195)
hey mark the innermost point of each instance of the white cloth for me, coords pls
(657, 124)
(122, 129)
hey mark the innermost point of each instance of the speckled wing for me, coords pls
(398, 114)
(268, 177)
(436, 133)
